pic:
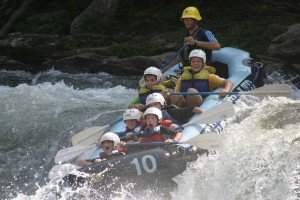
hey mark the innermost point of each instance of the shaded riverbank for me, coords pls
(125, 43)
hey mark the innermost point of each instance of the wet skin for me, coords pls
(131, 123)
(108, 146)
(196, 64)
(151, 121)
(150, 81)
(189, 23)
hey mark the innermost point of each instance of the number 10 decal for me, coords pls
(147, 169)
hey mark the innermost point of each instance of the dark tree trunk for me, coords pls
(15, 17)
(96, 10)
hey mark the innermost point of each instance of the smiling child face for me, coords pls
(131, 123)
(151, 121)
(150, 80)
(196, 64)
(108, 146)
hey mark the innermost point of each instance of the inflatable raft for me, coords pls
(156, 166)
(230, 63)
(164, 163)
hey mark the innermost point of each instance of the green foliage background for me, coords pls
(249, 25)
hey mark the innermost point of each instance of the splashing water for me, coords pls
(260, 159)
(36, 121)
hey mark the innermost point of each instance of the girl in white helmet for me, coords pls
(132, 118)
(171, 112)
(153, 131)
(197, 79)
(152, 77)
(110, 142)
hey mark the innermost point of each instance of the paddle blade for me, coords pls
(89, 135)
(210, 141)
(214, 114)
(61, 170)
(71, 152)
(274, 90)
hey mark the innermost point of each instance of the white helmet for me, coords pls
(198, 53)
(154, 98)
(154, 71)
(132, 114)
(153, 111)
(111, 137)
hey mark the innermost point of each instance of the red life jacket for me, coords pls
(156, 137)
(153, 138)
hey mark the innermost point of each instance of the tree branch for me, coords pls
(15, 17)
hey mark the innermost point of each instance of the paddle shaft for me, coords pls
(241, 93)
(151, 144)
(275, 90)
(180, 50)
(175, 55)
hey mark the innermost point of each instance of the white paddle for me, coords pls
(92, 134)
(72, 152)
(210, 141)
(214, 114)
(89, 135)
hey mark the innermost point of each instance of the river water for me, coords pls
(39, 113)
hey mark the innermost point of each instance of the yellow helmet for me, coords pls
(191, 12)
